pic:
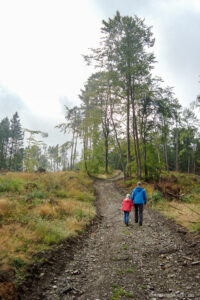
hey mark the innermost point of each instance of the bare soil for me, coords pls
(159, 260)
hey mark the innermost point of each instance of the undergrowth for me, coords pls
(185, 210)
(39, 210)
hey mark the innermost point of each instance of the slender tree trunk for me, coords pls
(135, 148)
(117, 140)
(188, 162)
(143, 133)
(165, 146)
(145, 157)
(138, 147)
(128, 153)
(72, 152)
(85, 149)
(176, 149)
(11, 157)
(158, 151)
(135, 136)
(166, 157)
(194, 164)
(106, 153)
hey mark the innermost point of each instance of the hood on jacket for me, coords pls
(139, 189)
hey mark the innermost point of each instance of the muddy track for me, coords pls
(159, 260)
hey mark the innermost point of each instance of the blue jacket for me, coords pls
(139, 196)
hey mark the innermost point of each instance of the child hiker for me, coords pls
(126, 208)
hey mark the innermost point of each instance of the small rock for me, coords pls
(76, 272)
(191, 295)
(54, 287)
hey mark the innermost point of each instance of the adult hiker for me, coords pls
(139, 198)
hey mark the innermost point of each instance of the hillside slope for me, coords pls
(159, 260)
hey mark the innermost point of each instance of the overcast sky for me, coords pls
(42, 42)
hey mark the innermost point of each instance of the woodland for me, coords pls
(128, 119)
(128, 122)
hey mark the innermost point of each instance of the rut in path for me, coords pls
(155, 261)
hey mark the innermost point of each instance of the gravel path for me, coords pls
(159, 260)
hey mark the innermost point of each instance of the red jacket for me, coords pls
(126, 204)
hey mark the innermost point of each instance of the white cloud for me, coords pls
(42, 42)
(41, 47)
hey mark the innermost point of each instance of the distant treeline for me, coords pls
(11, 144)
(18, 153)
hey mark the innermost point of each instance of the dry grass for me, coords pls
(186, 214)
(186, 211)
(38, 210)
(14, 243)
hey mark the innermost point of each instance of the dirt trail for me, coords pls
(159, 260)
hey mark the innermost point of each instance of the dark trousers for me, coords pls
(138, 212)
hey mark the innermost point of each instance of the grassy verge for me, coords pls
(186, 210)
(39, 210)
(185, 214)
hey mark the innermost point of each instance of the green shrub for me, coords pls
(129, 271)
(156, 196)
(129, 182)
(196, 190)
(79, 214)
(37, 194)
(11, 185)
(117, 293)
(48, 232)
(197, 227)
(18, 263)
(82, 196)
(189, 198)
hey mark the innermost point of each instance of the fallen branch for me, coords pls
(176, 208)
(194, 211)
(195, 263)
(172, 195)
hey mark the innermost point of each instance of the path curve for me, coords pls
(159, 260)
